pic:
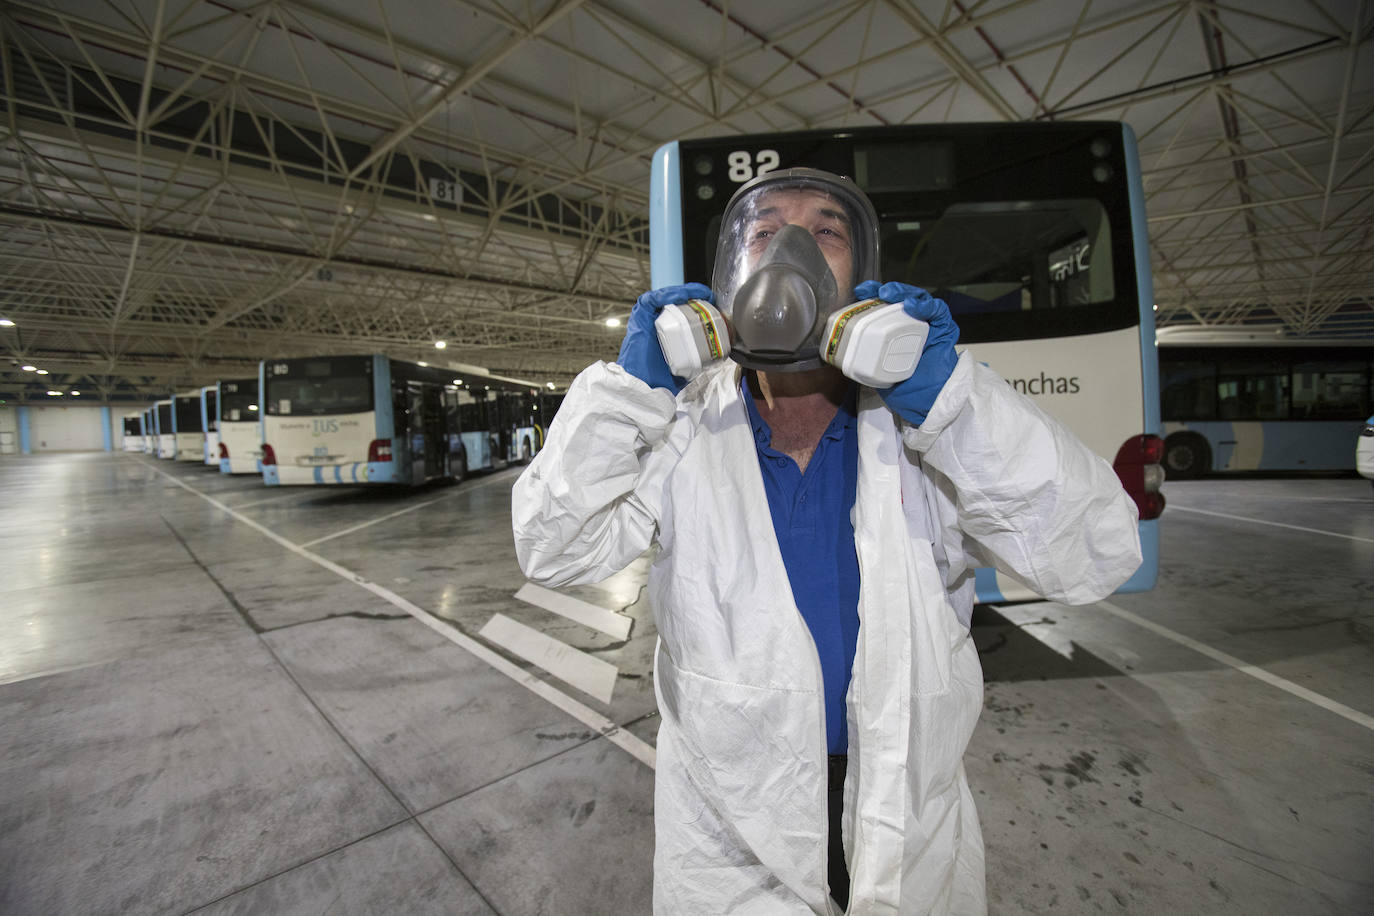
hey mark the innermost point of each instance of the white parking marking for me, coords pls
(626, 741)
(1260, 521)
(586, 672)
(577, 610)
(1340, 709)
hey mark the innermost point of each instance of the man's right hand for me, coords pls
(640, 353)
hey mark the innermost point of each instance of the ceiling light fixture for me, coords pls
(6, 323)
(440, 344)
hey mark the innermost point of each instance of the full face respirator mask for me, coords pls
(793, 245)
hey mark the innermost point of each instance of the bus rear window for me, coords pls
(240, 401)
(317, 387)
(1006, 256)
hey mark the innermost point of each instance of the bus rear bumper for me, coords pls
(357, 472)
(993, 587)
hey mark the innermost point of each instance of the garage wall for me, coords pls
(66, 429)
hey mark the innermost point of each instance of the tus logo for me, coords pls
(320, 427)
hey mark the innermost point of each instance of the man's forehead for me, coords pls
(799, 199)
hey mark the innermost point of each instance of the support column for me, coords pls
(107, 427)
(24, 448)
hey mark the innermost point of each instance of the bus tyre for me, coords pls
(1186, 456)
(526, 453)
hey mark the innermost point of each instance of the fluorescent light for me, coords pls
(55, 394)
(551, 386)
(440, 344)
(41, 371)
(29, 368)
(612, 322)
(75, 393)
(423, 363)
(6, 323)
(252, 407)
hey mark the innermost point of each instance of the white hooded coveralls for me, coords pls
(740, 792)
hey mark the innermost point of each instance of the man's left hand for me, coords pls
(912, 399)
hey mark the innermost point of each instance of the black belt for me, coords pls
(838, 764)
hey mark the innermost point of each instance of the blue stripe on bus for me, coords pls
(1140, 234)
(319, 474)
(665, 218)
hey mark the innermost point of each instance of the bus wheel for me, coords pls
(1186, 456)
(526, 453)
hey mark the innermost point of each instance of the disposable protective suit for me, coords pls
(740, 810)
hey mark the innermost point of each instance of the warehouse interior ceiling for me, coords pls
(189, 186)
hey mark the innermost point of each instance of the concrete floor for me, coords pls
(216, 698)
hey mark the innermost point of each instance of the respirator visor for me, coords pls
(793, 244)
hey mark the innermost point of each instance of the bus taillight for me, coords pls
(223, 451)
(268, 455)
(379, 450)
(1138, 465)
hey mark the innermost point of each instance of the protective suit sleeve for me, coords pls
(1026, 494)
(588, 504)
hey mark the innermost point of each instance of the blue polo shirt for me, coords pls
(812, 520)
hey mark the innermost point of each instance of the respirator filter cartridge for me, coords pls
(873, 342)
(692, 335)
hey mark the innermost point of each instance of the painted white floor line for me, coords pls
(1259, 521)
(576, 610)
(589, 674)
(626, 741)
(1340, 709)
(411, 508)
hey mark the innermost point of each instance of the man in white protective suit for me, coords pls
(813, 584)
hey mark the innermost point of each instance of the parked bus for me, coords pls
(150, 431)
(1034, 234)
(190, 434)
(372, 419)
(166, 431)
(240, 427)
(133, 432)
(1232, 400)
(209, 421)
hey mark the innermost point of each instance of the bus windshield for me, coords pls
(319, 386)
(240, 401)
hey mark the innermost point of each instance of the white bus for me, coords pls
(240, 427)
(372, 419)
(1033, 233)
(133, 432)
(166, 431)
(209, 421)
(150, 431)
(190, 435)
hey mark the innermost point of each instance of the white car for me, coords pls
(1364, 451)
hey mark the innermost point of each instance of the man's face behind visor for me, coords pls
(792, 247)
(813, 210)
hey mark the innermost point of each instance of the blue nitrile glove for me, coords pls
(640, 354)
(913, 398)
